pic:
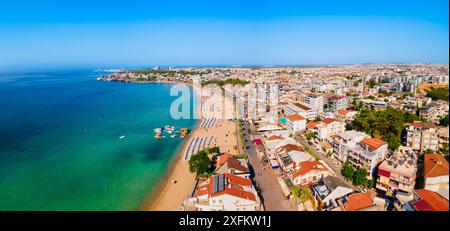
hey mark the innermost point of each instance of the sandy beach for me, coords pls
(169, 196)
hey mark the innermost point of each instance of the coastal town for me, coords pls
(366, 137)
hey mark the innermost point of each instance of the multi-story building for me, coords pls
(343, 141)
(336, 103)
(434, 111)
(328, 127)
(422, 136)
(296, 123)
(225, 192)
(298, 108)
(398, 173)
(368, 153)
(316, 102)
(443, 137)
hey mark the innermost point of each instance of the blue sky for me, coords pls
(146, 33)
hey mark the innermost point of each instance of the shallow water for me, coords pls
(60, 146)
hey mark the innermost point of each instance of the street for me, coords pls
(272, 196)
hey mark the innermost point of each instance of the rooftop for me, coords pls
(403, 162)
(435, 165)
(295, 117)
(430, 201)
(373, 143)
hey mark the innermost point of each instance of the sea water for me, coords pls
(60, 146)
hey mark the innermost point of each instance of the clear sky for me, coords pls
(146, 33)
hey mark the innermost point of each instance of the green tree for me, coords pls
(444, 121)
(438, 93)
(348, 171)
(199, 162)
(310, 135)
(372, 83)
(360, 177)
(214, 150)
(427, 151)
(392, 140)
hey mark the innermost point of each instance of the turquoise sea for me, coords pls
(60, 146)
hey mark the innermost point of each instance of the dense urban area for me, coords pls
(340, 138)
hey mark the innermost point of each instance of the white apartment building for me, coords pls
(296, 123)
(343, 141)
(368, 153)
(303, 110)
(422, 136)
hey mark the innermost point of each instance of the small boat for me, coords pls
(158, 136)
(157, 130)
(173, 136)
(122, 137)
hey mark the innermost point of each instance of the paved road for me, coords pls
(336, 169)
(272, 196)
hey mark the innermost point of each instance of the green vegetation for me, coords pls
(317, 119)
(214, 150)
(302, 194)
(427, 151)
(444, 121)
(385, 93)
(438, 93)
(199, 163)
(372, 83)
(358, 177)
(388, 123)
(444, 148)
(221, 83)
(310, 135)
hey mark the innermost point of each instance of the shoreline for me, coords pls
(156, 198)
(164, 197)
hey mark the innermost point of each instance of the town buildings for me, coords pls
(422, 136)
(225, 192)
(398, 172)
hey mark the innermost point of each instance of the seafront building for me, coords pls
(225, 192)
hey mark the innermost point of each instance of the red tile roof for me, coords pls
(295, 117)
(335, 97)
(302, 106)
(234, 186)
(358, 201)
(292, 147)
(373, 143)
(274, 137)
(435, 165)
(430, 201)
(419, 124)
(343, 112)
(223, 158)
(312, 124)
(307, 166)
(235, 164)
(328, 120)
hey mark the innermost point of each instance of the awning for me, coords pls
(384, 172)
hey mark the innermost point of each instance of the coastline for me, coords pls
(164, 197)
(168, 196)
